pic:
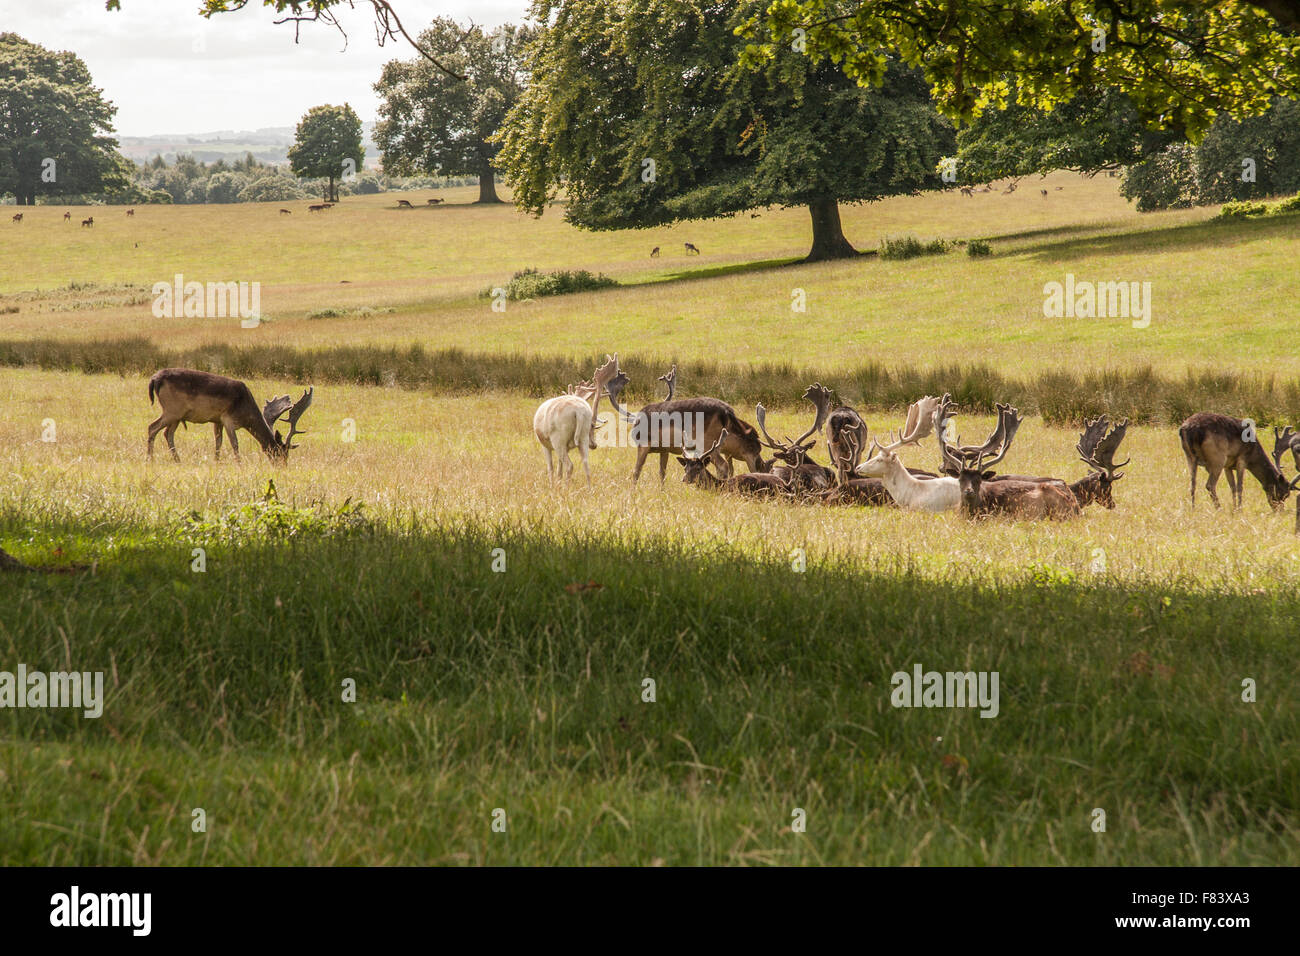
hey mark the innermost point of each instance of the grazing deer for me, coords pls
(318, 207)
(911, 491)
(404, 204)
(1009, 190)
(569, 421)
(286, 212)
(1222, 443)
(670, 426)
(18, 218)
(790, 461)
(980, 494)
(434, 202)
(1096, 447)
(967, 192)
(654, 253)
(130, 213)
(88, 222)
(754, 484)
(67, 217)
(691, 247)
(186, 395)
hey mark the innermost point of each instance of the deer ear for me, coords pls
(277, 437)
(684, 461)
(950, 471)
(987, 475)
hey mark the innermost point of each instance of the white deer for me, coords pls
(569, 421)
(908, 490)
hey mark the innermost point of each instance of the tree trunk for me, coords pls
(333, 196)
(828, 234)
(487, 186)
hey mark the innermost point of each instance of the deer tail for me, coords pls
(154, 385)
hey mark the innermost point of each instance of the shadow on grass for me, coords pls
(1209, 235)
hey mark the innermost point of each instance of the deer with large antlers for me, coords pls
(754, 484)
(790, 459)
(569, 421)
(911, 491)
(189, 396)
(846, 440)
(1284, 440)
(673, 426)
(981, 495)
(1220, 443)
(1096, 447)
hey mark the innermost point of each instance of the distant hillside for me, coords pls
(269, 144)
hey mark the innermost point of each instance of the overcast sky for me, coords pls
(168, 70)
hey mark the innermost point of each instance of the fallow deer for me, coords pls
(318, 207)
(846, 440)
(692, 248)
(654, 253)
(1285, 439)
(967, 192)
(18, 218)
(186, 395)
(908, 490)
(980, 495)
(130, 213)
(1096, 447)
(404, 204)
(1222, 443)
(671, 426)
(88, 222)
(67, 217)
(434, 202)
(790, 460)
(569, 421)
(286, 212)
(754, 484)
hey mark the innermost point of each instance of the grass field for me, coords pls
(1122, 639)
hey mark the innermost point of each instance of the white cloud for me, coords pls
(168, 70)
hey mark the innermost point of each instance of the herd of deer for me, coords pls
(704, 432)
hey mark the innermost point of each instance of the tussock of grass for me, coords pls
(909, 247)
(532, 284)
(1060, 397)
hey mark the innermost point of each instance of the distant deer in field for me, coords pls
(654, 253)
(434, 202)
(130, 212)
(1059, 188)
(67, 216)
(404, 204)
(1009, 190)
(88, 222)
(18, 218)
(318, 207)
(691, 247)
(967, 192)
(186, 395)
(1222, 443)
(286, 212)
(1043, 193)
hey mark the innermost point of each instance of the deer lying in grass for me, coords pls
(846, 439)
(754, 484)
(908, 490)
(1096, 447)
(673, 425)
(980, 494)
(569, 421)
(186, 395)
(1222, 443)
(790, 461)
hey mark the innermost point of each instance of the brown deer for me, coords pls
(1222, 443)
(286, 212)
(186, 395)
(1284, 439)
(846, 440)
(670, 426)
(67, 217)
(88, 222)
(858, 491)
(790, 460)
(18, 218)
(1096, 447)
(754, 484)
(692, 248)
(318, 207)
(967, 192)
(434, 202)
(654, 253)
(404, 204)
(980, 495)
(130, 213)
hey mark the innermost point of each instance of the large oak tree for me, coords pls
(639, 113)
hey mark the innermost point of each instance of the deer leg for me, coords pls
(155, 426)
(663, 467)
(642, 452)
(1211, 481)
(550, 464)
(586, 465)
(1241, 482)
(170, 434)
(1191, 467)
(234, 442)
(216, 432)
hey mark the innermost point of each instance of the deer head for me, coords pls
(794, 452)
(671, 381)
(1096, 447)
(280, 450)
(971, 464)
(697, 466)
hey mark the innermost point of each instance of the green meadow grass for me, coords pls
(1122, 638)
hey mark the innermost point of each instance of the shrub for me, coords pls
(531, 284)
(978, 247)
(1241, 210)
(1290, 204)
(909, 247)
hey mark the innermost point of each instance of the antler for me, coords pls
(1106, 448)
(686, 452)
(919, 423)
(999, 443)
(671, 380)
(820, 396)
(295, 413)
(274, 408)
(950, 458)
(1281, 443)
(767, 439)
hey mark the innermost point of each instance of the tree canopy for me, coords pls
(432, 122)
(639, 112)
(1180, 62)
(327, 144)
(55, 125)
